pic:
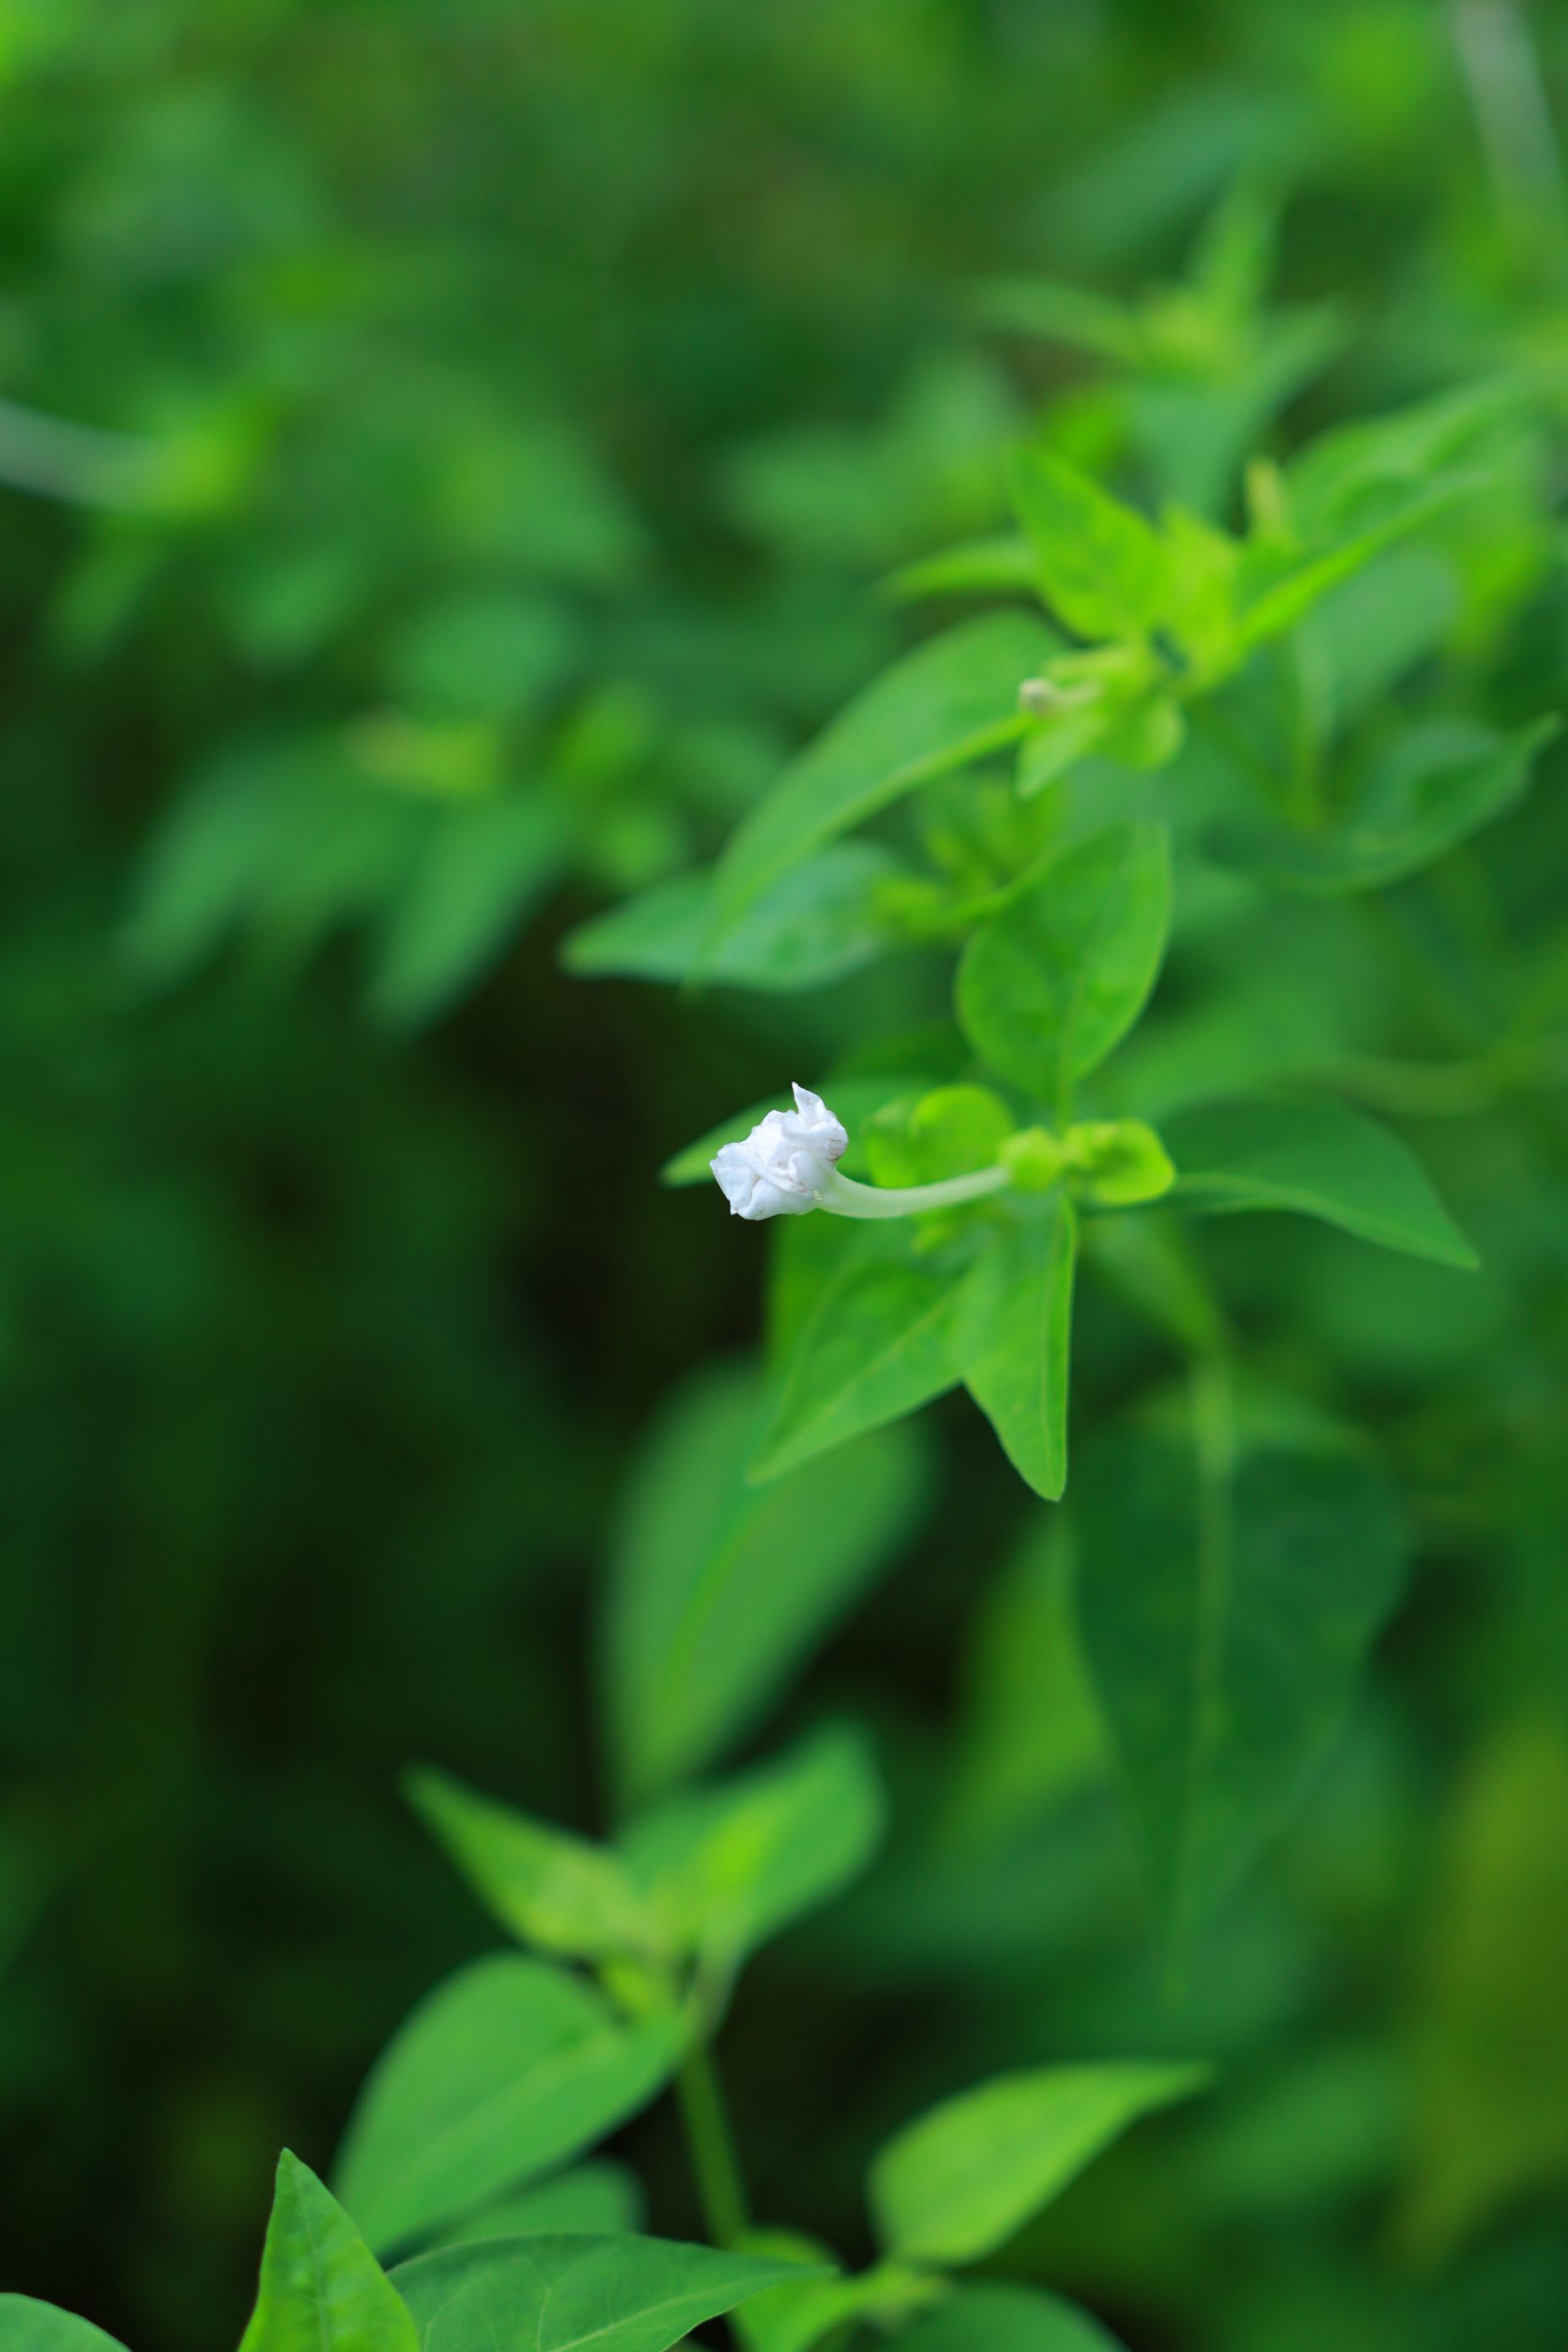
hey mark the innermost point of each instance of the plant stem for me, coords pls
(847, 1199)
(712, 2147)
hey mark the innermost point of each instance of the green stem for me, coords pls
(712, 2147)
(847, 1199)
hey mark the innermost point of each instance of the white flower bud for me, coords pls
(785, 1163)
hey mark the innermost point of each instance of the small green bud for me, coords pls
(1033, 1160)
(1118, 1162)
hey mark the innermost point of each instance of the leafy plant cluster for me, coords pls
(1191, 859)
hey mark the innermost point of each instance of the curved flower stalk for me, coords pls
(789, 1164)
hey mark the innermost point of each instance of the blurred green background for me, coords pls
(448, 449)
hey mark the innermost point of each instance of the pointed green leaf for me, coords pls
(483, 870)
(29, 2326)
(577, 2294)
(1101, 566)
(718, 1590)
(1012, 1339)
(948, 702)
(954, 2186)
(1006, 2319)
(509, 2068)
(817, 923)
(562, 1894)
(878, 1344)
(1227, 1602)
(321, 2288)
(1440, 784)
(1318, 1160)
(730, 1866)
(1047, 988)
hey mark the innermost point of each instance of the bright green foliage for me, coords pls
(728, 1867)
(510, 2067)
(821, 921)
(718, 1590)
(958, 2184)
(1228, 1595)
(1101, 565)
(29, 2326)
(1048, 988)
(1012, 1334)
(321, 2288)
(600, 2196)
(561, 1894)
(1320, 1160)
(576, 2293)
(1490, 2059)
(1006, 2319)
(944, 1133)
(879, 1343)
(941, 707)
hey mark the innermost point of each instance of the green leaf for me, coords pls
(1047, 988)
(509, 2068)
(718, 1590)
(600, 2196)
(1012, 1339)
(562, 1894)
(321, 2288)
(1440, 784)
(853, 1100)
(728, 1867)
(1006, 2319)
(1318, 1160)
(1227, 1601)
(29, 2326)
(948, 1132)
(1002, 566)
(817, 2308)
(573, 2293)
(485, 866)
(1329, 478)
(948, 702)
(1488, 2042)
(961, 2182)
(817, 923)
(1101, 566)
(878, 1344)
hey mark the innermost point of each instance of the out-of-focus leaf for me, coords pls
(321, 2288)
(1229, 1598)
(562, 1894)
(599, 2197)
(878, 1344)
(1006, 2319)
(1489, 2049)
(817, 923)
(1012, 1339)
(509, 2068)
(485, 656)
(719, 1592)
(948, 702)
(1101, 566)
(961, 2182)
(1047, 988)
(1440, 783)
(728, 1867)
(29, 2326)
(1003, 566)
(576, 2293)
(1335, 472)
(485, 866)
(1318, 1160)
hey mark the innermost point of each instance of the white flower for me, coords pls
(785, 1163)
